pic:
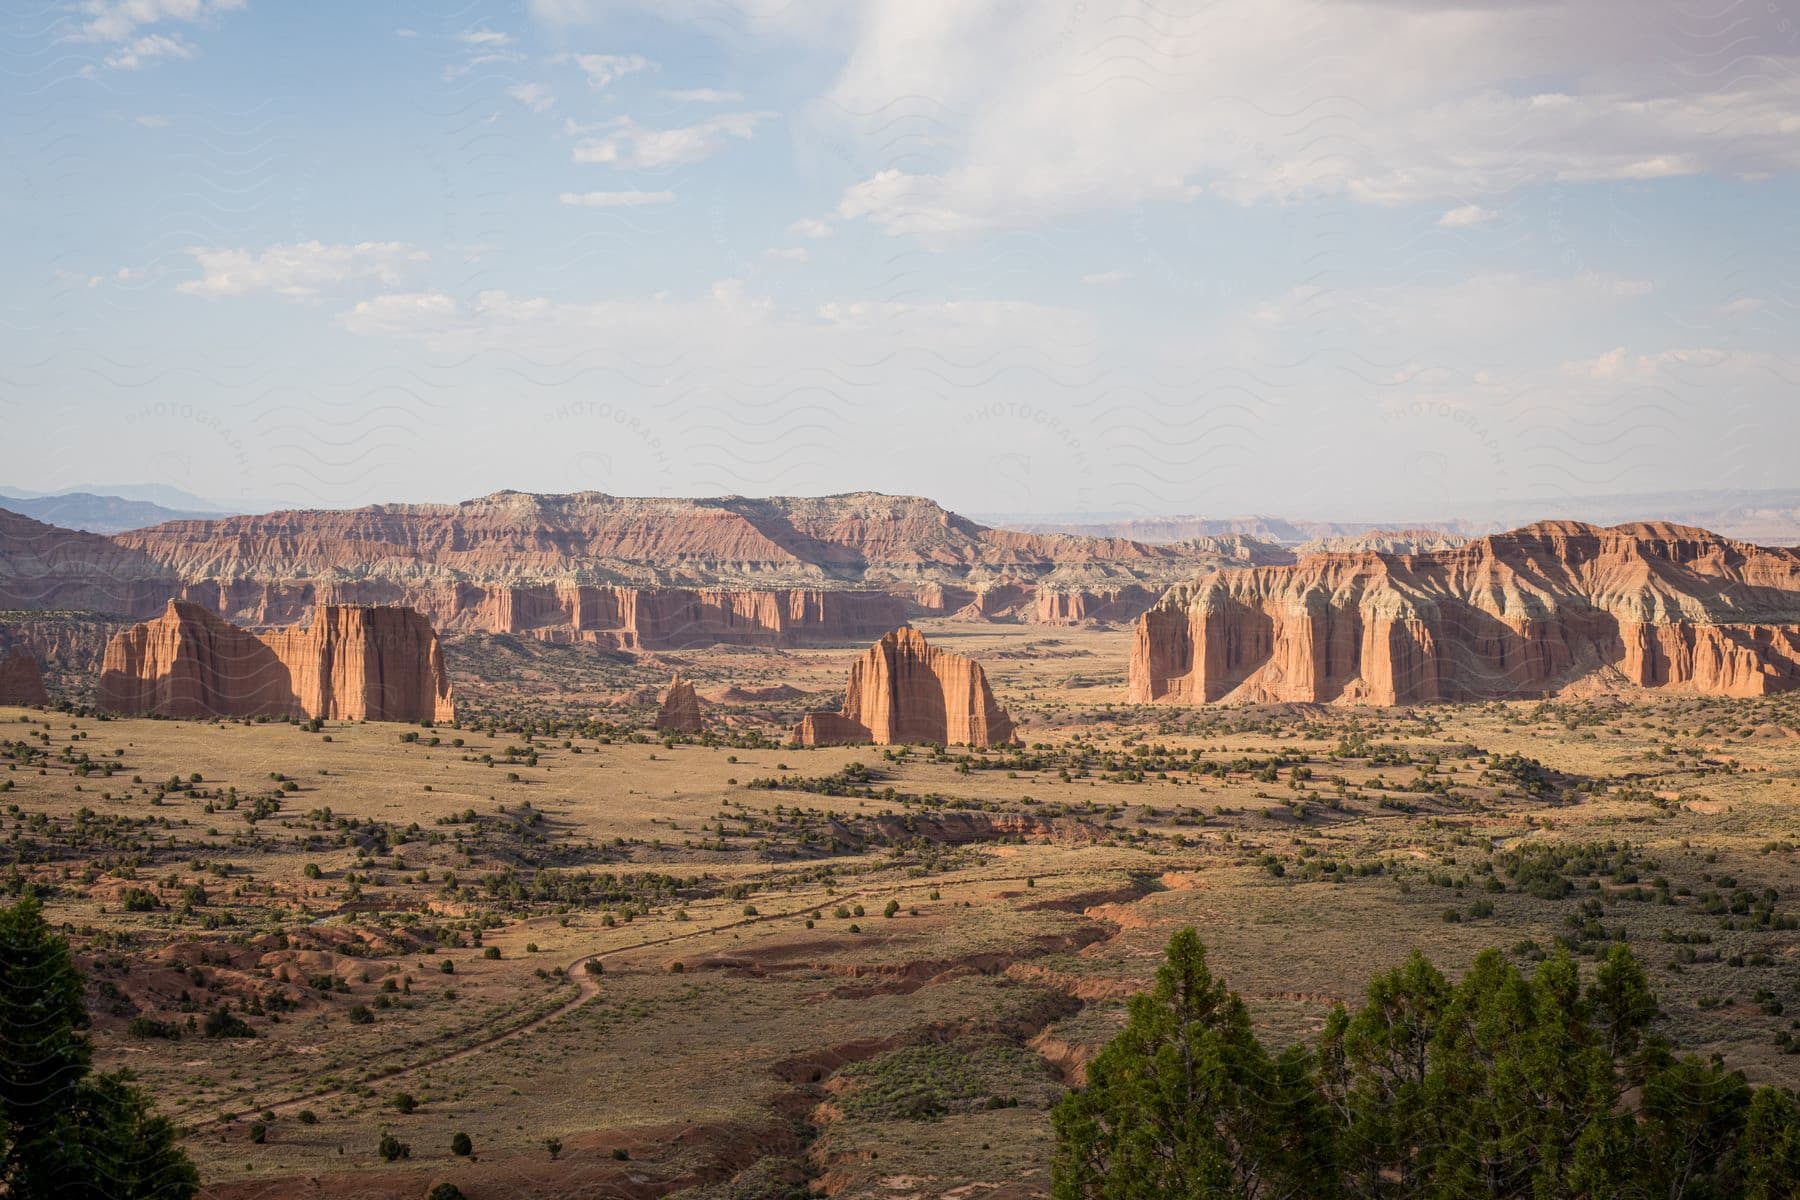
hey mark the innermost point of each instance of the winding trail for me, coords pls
(587, 988)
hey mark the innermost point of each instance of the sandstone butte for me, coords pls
(680, 711)
(1551, 607)
(904, 691)
(20, 681)
(615, 572)
(350, 663)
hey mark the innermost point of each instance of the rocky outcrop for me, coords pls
(350, 663)
(1528, 613)
(626, 618)
(680, 711)
(1384, 541)
(758, 695)
(62, 642)
(20, 680)
(1114, 606)
(905, 691)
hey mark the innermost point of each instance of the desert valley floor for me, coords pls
(632, 964)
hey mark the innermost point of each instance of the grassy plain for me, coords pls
(722, 966)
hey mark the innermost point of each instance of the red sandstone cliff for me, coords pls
(786, 541)
(1112, 606)
(376, 664)
(905, 691)
(1517, 614)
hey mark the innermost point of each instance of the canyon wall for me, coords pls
(1527, 613)
(1113, 606)
(350, 663)
(905, 691)
(628, 618)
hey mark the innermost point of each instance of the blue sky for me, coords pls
(1357, 260)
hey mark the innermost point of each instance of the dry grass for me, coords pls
(1028, 904)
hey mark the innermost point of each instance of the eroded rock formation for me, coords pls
(20, 680)
(1527, 613)
(680, 711)
(350, 663)
(754, 695)
(905, 691)
(1110, 607)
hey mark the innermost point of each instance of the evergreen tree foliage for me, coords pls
(66, 1132)
(1500, 1086)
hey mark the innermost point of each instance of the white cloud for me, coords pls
(485, 37)
(151, 120)
(603, 70)
(1029, 114)
(299, 269)
(812, 227)
(1467, 215)
(1620, 366)
(787, 254)
(702, 96)
(456, 70)
(1742, 305)
(616, 199)
(399, 312)
(1106, 277)
(534, 96)
(140, 51)
(810, 21)
(628, 144)
(119, 20)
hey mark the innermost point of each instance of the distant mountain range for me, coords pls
(1767, 517)
(94, 513)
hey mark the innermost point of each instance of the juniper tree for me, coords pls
(64, 1131)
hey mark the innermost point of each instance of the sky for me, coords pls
(1355, 259)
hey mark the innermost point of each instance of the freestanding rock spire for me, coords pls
(680, 712)
(903, 690)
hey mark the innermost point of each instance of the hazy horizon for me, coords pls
(1780, 507)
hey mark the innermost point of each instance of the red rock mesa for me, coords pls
(904, 691)
(1549, 607)
(375, 664)
(680, 711)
